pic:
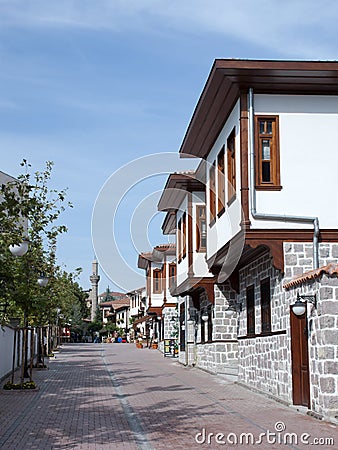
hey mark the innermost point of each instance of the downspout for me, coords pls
(275, 217)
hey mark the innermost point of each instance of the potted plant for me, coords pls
(154, 344)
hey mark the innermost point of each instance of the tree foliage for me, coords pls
(30, 210)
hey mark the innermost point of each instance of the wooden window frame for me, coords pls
(184, 235)
(179, 241)
(157, 278)
(274, 184)
(231, 166)
(199, 220)
(212, 194)
(265, 306)
(172, 278)
(221, 182)
(250, 310)
(148, 280)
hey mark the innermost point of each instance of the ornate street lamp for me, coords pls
(233, 308)
(43, 280)
(19, 249)
(299, 307)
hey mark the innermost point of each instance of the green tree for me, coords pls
(30, 210)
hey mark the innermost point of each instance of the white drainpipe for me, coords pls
(275, 217)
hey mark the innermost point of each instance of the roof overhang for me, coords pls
(169, 223)
(195, 285)
(157, 255)
(176, 188)
(154, 311)
(229, 77)
(257, 242)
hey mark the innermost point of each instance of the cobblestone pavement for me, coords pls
(114, 396)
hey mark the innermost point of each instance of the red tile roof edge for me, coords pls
(331, 270)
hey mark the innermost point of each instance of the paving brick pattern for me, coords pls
(114, 396)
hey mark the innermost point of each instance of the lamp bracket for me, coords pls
(310, 298)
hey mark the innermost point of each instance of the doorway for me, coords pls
(300, 359)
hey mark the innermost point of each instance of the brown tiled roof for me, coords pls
(113, 294)
(155, 255)
(117, 303)
(105, 303)
(331, 270)
(164, 247)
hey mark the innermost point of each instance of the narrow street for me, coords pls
(114, 396)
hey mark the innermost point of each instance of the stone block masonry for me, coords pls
(264, 360)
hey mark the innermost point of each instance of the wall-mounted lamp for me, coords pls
(205, 317)
(233, 308)
(299, 307)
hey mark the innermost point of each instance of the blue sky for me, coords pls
(94, 85)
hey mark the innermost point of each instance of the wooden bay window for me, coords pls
(267, 157)
(220, 183)
(212, 193)
(231, 164)
(201, 229)
(157, 281)
(172, 275)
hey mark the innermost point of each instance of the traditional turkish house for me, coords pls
(115, 308)
(258, 126)
(161, 306)
(183, 199)
(137, 311)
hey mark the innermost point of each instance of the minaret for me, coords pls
(94, 279)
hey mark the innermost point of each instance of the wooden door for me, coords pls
(300, 360)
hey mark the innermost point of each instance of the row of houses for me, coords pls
(250, 288)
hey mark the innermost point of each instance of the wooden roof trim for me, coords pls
(228, 77)
(330, 270)
(175, 188)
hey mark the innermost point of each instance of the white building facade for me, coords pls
(266, 132)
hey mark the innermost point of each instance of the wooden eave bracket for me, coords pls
(276, 251)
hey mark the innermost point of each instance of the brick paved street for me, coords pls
(114, 396)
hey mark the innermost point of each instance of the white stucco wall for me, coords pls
(308, 130)
(228, 225)
(6, 350)
(182, 266)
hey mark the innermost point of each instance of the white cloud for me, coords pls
(294, 27)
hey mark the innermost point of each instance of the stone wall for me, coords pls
(265, 361)
(298, 257)
(220, 355)
(169, 324)
(323, 343)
